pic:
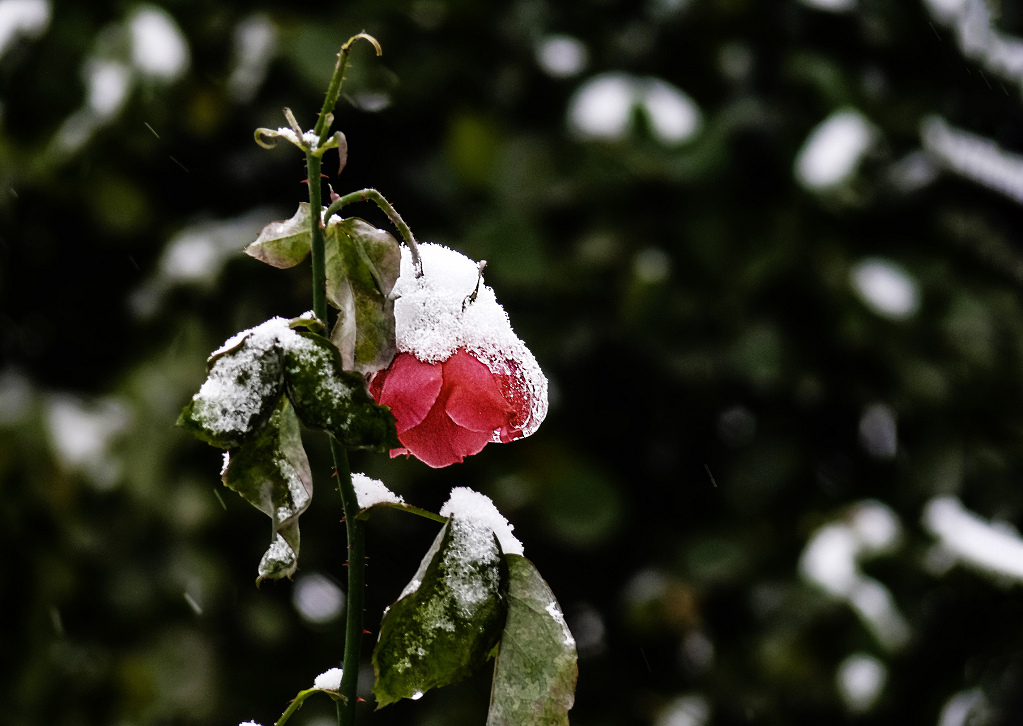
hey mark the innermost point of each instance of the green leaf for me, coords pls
(535, 673)
(286, 243)
(363, 264)
(447, 620)
(271, 472)
(327, 397)
(245, 380)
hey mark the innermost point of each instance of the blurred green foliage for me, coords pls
(720, 391)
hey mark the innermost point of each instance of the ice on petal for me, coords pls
(833, 150)
(885, 288)
(329, 680)
(22, 18)
(158, 47)
(433, 319)
(478, 512)
(372, 491)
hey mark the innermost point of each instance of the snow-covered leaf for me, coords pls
(244, 381)
(363, 263)
(447, 620)
(327, 397)
(286, 243)
(271, 472)
(535, 674)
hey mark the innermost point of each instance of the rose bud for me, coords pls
(461, 378)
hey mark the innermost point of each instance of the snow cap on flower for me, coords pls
(433, 319)
(461, 378)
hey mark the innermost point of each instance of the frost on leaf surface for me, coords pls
(362, 267)
(250, 371)
(477, 511)
(448, 619)
(241, 389)
(271, 472)
(535, 674)
(434, 318)
(327, 397)
(370, 492)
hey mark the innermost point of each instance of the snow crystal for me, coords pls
(974, 157)
(308, 137)
(372, 491)
(833, 150)
(158, 47)
(27, 18)
(329, 680)
(433, 319)
(478, 512)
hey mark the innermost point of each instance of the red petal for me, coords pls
(476, 402)
(410, 388)
(439, 442)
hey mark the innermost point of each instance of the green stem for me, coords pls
(356, 587)
(322, 128)
(312, 165)
(372, 195)
(295, 705)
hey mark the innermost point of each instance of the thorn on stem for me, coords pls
(367, 632)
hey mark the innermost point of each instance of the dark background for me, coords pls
(710, 361)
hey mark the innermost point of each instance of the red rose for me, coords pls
(461, 377)
(447, 411)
